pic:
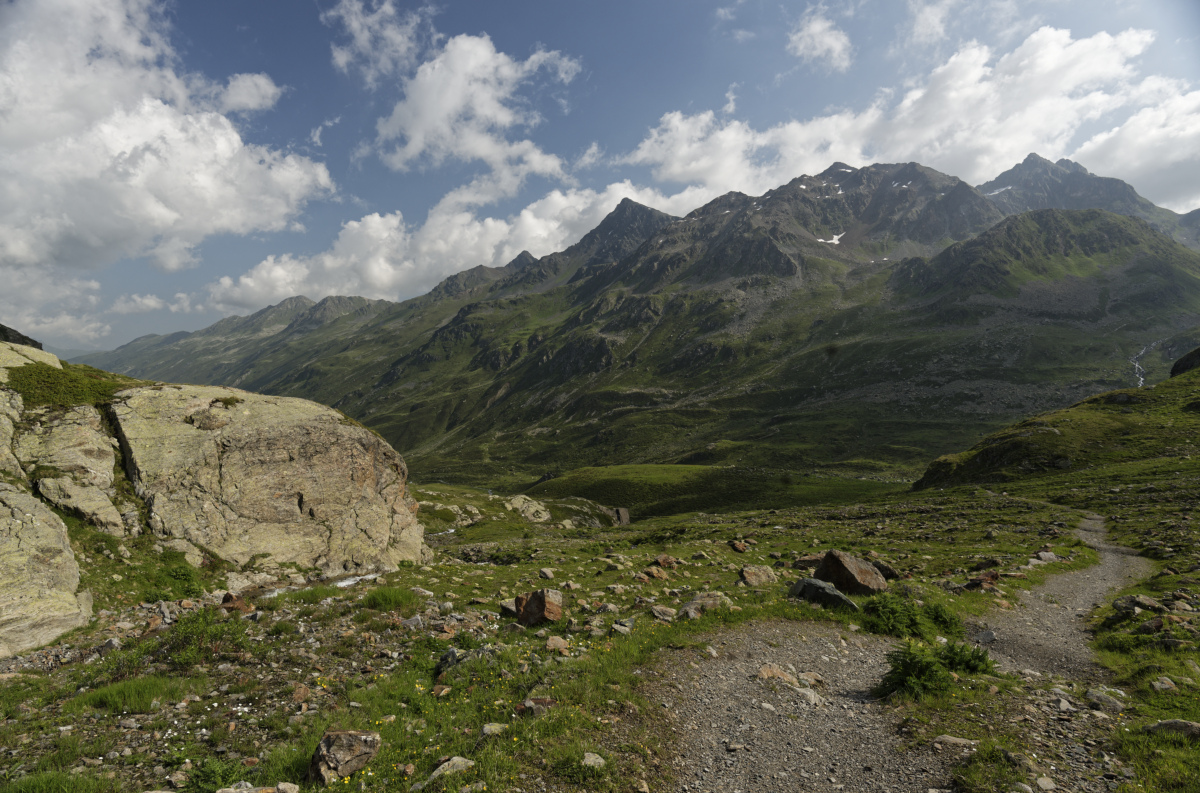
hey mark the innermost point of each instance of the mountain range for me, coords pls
(859, 320)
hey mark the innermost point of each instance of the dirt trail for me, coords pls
(1046, 632)
(740, 734)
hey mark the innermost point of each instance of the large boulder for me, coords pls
(22, 355)
(245, 475)
(850, 574)
(341, 753)
(38, 575)
(822, 593)
(74, 447)
(10, 413)
(534, 608)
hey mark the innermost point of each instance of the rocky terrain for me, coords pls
(267, 486)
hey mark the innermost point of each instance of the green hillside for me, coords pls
(739, 335)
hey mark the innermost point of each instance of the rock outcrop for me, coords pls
(21, 355)
(16, 337)
(244, 475)
(850, 574)
(38, 575)
(78, 456)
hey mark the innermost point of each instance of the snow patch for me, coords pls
(998, 192)
(836, 239)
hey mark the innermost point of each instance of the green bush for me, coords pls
(212, 773)
(891, 615)
(916, 671)
(40, 385)
(283, 628)
(943, 619)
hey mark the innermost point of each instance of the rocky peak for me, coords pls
(16, 337)
(621, 231)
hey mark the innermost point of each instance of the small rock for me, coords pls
(342, 752)
(850, 574)
(1046, 783)
(546, 572)
(822, 593)
(758, 575)
(592, 760)
(544, 605)
(454, 765)
(775, 672)
(950, 740)
(1188, 729)
(494, 728)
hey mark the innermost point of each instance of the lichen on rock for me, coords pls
(245, 475)
(38, 575)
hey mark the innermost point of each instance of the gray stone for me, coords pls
(455, 765)
(758, 575)
(592, 760)
(86, 501)
(850, 574)
(704, 601)
(244, 474)
(39, 576)
(1046, 783)
(340, 753)
(494, 728)
(1102, 700)
(822, 593)
(1188, 729)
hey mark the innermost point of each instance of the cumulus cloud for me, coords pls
(143, 304)
(817, 40)
(382, 256)
(461, 104)
(975, 115)
(52, 303)
(383, 42)
(110, 151)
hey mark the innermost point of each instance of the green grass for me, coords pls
(650, 490)
(396, 599)
(135, 695)
(57, 782)
(42, 385)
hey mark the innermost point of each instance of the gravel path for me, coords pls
(1046, 633)
(741, 733)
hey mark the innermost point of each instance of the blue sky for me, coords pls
(163, 164)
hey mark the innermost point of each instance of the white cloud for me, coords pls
(137, 304)
(52, 303)
(109, 151)
(246, 92)
(730, 99)
(929, 20)
(144, 304)
(381, 256)
(384, 42)
(974, 116)
(590, 157)
(315, 135)
(460, 104)
(742, 36)
(816, 39)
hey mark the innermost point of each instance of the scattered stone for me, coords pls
(950, 740)
(494, 728)
(546, 572)
(557, 644)
(850, 574)
(738, 546)
(822, 593)
(1188, 729)
(758, 575)
(704, 601)
(1046, 783)
(1102, 700)
(775, 672)
(544, 605)
(342, 752)
(664, 613)
(888, 572)
(455, 765)
(592, 760)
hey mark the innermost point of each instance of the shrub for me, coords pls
(966, 659)
(916, 671)
(943, 618)
(891, 615)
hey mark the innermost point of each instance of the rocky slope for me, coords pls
(265, 485)
(1037, 183)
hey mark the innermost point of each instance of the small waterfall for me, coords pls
(1139, 371)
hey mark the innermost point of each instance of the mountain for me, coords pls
(861, 319)
(1037, 183)
(16, 337)
(1126, 432)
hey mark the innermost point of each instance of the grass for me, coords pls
(136, 695)
(653, 490)
(42, 385)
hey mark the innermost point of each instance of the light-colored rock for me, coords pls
(455, 765)
(758, 575)
(775, 672)
(951, 740)
(74, 443)
(243, 474)
(10, 412)
(704, 601)
(494, 728)
(38, 575)
(810, 697)
(593, 760)
(86, 501)
(240, 582)
(851, 575)
(195, 558)
(1188, 729)
(533, 511)
(12, 355)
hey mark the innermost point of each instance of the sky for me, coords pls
(167, 163)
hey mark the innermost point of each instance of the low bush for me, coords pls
(918, 670)
(391, 598)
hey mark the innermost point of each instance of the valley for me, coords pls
(719, 502)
